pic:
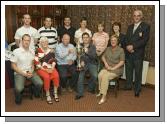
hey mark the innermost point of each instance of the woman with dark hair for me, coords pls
(116, 28)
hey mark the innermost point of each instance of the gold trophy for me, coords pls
(80, 52)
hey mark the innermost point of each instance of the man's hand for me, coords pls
(82, 63)
(130, 48)
(86, 50)
(29, 74)
(70, 62)
(70, 51)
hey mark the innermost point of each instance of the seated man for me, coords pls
(89, 63)
(22, 64)
(113, 59)
(66, 55)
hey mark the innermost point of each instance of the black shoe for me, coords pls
(78, 97)
(137, 94)
(18, 102)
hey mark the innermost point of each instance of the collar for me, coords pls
(137, 24)
(67, 28)
(64, 45)
(23, 50)
(84, 30)
(27, 26)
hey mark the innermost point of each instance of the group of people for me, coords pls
(55, 57)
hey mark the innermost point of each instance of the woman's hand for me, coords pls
(107, 66)
(49, 70)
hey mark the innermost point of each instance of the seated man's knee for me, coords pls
(19, 89)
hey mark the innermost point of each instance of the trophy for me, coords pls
(80, 52)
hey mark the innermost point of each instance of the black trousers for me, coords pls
(63, 73)
(136, 65)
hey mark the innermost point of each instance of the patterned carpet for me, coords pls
(125, 102)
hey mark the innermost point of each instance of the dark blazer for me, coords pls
(139, 40)
(122, 40)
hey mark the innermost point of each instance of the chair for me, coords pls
(28, 89)
(116, 86)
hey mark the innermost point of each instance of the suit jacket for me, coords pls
(122, 40)
(138, 39)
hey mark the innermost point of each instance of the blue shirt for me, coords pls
(62, 55)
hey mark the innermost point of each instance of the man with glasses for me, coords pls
(137, 37)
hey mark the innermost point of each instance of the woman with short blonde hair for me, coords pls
(113, 59)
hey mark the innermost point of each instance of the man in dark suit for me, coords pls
(137, 38)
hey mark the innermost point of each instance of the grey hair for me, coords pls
(43, 38)
(141, 13)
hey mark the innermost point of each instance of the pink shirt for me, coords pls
(100, 40)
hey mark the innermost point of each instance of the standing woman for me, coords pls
(113, 59)
(45, 63)
(100, 40)
(116, 28)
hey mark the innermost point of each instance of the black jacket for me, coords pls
(139, 40)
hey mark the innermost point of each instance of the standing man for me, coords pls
(67, 29)
(65, 56)
(23, 65)
(26, 29)
(50, 32)
(137, 38)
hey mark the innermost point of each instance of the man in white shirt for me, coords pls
(23, 65)
(81, 30)
(50, 32)
(26, 29)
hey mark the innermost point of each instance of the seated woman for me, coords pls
(113, 59)
(45, 63)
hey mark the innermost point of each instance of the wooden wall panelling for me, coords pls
(10, 21)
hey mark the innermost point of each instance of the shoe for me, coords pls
(18, 102)
(78, 97)
(98, 95)
(49, 100)
(102, 101)
(56, 99)
(137, 94)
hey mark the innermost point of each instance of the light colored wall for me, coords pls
(151, 76)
